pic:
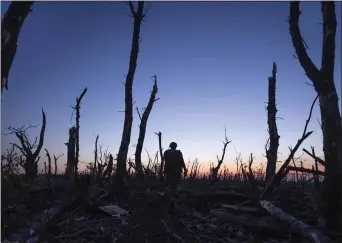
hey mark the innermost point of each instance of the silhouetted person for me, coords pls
(174, 163)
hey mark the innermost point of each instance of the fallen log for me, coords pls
(305, 230)
(301, 169)
(255, 210)
(256, 226)
(221, 195)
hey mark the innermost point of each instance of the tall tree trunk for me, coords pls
(77, 134)
(10, 28)
(161, 169)
(71, 144)
(272, 151)
(323, 81)
(121, 172)
(142, 127)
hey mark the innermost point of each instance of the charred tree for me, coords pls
(216, 169)
(49, 167)
(272, 151)
(161, 169)
(56, 168)
(121, 172)
(11, 25)
(108, 171)
(77, 134)
(143, 124)
(30, 163)
(282, 172)
(71, 144)
(95, 155)
(323, 82)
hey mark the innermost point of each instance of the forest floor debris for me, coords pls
(224, 214)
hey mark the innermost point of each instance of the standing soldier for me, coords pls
(174, 163)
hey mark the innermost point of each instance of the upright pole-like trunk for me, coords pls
(142, 127)
(95, 155)
(323, 81)
(71, 144)
(161, 170)
(272, 151)
(10, 28)
(78, 107)
(121, 172)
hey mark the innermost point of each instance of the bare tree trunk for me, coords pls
(161, 154)
(121, 172)
(215, 170)
(272, 152)
(10, 28)
(323, 81)
(49, 167)
(71, 144)
(95, 155)
(55, 159)
(142, 127)
(78, 107)
(108, 171)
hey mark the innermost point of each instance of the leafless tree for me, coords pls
(121, 172)
(143, 125)
(323, 82)
(282, 172)
(49, 167)
(30, 163)
(95, 155)
(215, 169)
(71, 145)
(77, 135)
(161, 169)
(10, 161)
(11, 25)
(56, 159)
(272, 151)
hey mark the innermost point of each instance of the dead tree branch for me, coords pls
(322, 162)
(301, 169)
(78, 107)
(215, 170)
(49, 167)
(56, 159)
(280, 174)
(143, 125)
(159, 134)
(295, 224)
(95, 155)
(272, 151)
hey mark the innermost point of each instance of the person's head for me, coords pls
(173, 145)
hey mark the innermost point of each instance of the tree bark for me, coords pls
(142, 127)
(323, 81)
(10, 28)
(272, 152)
(121, 172)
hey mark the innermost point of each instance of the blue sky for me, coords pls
(212, 59)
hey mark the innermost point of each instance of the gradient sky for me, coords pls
(212, 59)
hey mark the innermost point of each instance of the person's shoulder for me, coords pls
(167, 151)
(179, 151)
